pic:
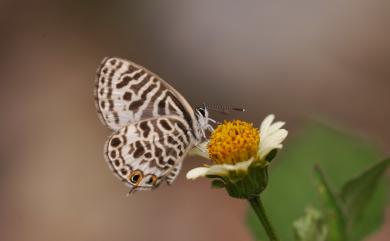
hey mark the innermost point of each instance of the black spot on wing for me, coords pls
(136, 104)
(171, 140)
(136, 87)
(165, 125)
(117, 163)
(125, 81)
(139, 149)
(115, 142)
(123, 171)
(145, 128)
(113, 154)
(113, 61)
(171, 162)
(127, 96)
(157, 151)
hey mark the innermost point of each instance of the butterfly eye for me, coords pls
(135, 177)
(201, 110)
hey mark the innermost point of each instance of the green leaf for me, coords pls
(334, 208)
(357, 192)
(292, 185)
(311, 227)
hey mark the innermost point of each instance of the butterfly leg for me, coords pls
(213, 121)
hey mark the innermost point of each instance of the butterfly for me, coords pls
(154, 127)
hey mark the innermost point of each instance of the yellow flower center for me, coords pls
(233, 142)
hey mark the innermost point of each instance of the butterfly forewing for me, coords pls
(126, 92)
(149, 151)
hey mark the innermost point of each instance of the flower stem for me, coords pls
(257, 205)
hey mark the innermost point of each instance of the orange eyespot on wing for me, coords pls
(135, 177)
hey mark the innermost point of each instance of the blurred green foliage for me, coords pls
(293, 186)
(344, 209)
(311, 227)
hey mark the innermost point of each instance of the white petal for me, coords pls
(218, 170)
(243, 166)
(280, 135)
(271, 136)
(276, 138)
(275, 127)
(266, 123)
(197, 172)
(271, 129)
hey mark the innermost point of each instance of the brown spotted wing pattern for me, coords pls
(154, 126)
(149, 151)
(126, 92)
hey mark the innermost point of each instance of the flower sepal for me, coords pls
(270, 156)
(243, 184)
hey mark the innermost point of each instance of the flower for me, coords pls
(241, 154)
(233, 142)
(236, 145)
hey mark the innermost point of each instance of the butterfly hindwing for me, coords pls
(126, 92)
(146, 152)
(174, 173)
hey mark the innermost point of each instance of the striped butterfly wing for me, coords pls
(126, 92)
(144, 153)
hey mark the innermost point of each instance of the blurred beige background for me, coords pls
(292, 58)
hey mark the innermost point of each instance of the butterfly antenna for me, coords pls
(223, 109)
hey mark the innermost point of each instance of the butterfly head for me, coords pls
(203, 117)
